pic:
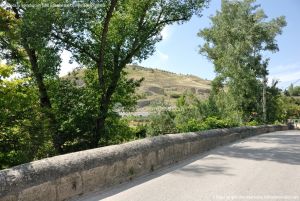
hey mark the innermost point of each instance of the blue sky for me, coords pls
(178, 51)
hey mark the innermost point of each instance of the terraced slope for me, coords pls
(159, 84)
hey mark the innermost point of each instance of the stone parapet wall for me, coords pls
(68, 176)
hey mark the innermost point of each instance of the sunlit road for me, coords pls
(265, 167)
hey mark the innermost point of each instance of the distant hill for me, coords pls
(160, 84)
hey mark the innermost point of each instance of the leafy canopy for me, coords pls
(235, 43)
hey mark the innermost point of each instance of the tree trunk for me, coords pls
(264, 100)
(100, 130)
(104, 106)
(43, 94)
(44, 99)
(107, 93)
(103, 113)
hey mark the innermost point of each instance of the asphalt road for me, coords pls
(265, 167)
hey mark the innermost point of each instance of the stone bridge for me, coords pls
(72, 175)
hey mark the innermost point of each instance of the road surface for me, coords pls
(265, 167)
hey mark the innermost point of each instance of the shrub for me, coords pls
(192, 125)
(213, 122)
(118, 131)
(162, 123)
(252, 123)
(161, 120)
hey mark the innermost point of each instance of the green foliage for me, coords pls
(192, 125)
(274, 104)
(293, 90)
(76, 111)
(24, 130)
(188, 107)
(25, 40)
(213, 122)
(252, 123)
(235, 43)
(190, 115)
(107, 38)
(219, 111)
(195, 115)
(161, 120)
(225, 107)
(42, 115)
(118, 131)
(25, 43)
(290, 107)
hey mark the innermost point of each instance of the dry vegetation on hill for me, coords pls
(159, 84)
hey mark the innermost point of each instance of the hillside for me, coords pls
(159, 84)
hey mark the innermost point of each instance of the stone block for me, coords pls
(196, 147)
(187, 149)
(150, 161)
(179, 152)
(168, 157)
(69, 186)
(116, 173)
(160, 157)
(45, 191)
(135, 165)
(93, 179)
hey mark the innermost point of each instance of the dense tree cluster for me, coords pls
(293, 90)
(46, 115)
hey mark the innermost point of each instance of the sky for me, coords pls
(178, 51)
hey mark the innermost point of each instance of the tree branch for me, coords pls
(103, 40)
(74, 45)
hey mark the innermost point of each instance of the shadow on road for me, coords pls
(186, 168)
(194, 170)
(282, 147)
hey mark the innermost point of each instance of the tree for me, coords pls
(75, 106)
(114, 33)
(293, 90)
(24, 133)
(290, 107)
(25, 42)
(274, 104)
(235, 44)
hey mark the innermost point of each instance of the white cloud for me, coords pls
(162, 56)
